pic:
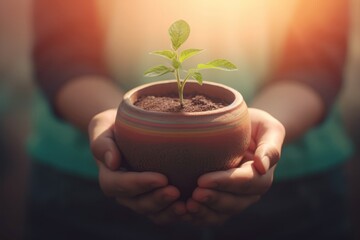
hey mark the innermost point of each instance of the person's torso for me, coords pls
(248, 33)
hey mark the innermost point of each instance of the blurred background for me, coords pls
(350, 106)
(16, 89)
(15, 96)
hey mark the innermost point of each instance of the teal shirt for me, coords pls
(58, 144)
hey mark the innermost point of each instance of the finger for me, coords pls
(201, 215)
(101, 135)
(269, 137)
(129, 184)
(224, 203)
(244, 180)
(174, 213)
(266, 156)
(151, 202)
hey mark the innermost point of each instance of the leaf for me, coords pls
(198, 77)
(188, 53)
(221, 64)
(157, 71)
(179, 32)
(194, 74)
(169, 54)
(175, 63)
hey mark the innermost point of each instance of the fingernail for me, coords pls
(266, 161)
(108, 158)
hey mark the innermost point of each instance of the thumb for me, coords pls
(268, 134)
(266, 156)
(102, 141)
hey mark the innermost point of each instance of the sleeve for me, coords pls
(315, 49)
(68, 43)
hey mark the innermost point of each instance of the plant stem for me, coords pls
(181, 90)
(179, 82)
(180, 87)
(181, 97)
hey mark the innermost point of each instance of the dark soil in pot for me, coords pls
(192, 103)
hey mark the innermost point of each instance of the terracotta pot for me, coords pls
(183, 146)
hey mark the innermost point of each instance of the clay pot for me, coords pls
(183, 146)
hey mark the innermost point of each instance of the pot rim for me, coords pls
(238, 100)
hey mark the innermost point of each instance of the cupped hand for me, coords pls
(222, 194)
(145, 193)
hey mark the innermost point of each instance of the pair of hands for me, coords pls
(219, 195)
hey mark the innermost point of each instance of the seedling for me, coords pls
(179, 32)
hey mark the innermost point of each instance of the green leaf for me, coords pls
(198, 77)
(169, 54)
(179, 32)
(221, 64)
(194, 74)
(157, 71)
(175, 63)
(188, 53)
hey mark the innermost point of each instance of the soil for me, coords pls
(192, 103)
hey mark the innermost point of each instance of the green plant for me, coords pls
(179, 32)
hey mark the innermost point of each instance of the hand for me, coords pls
(222, 194)
(146, 193)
